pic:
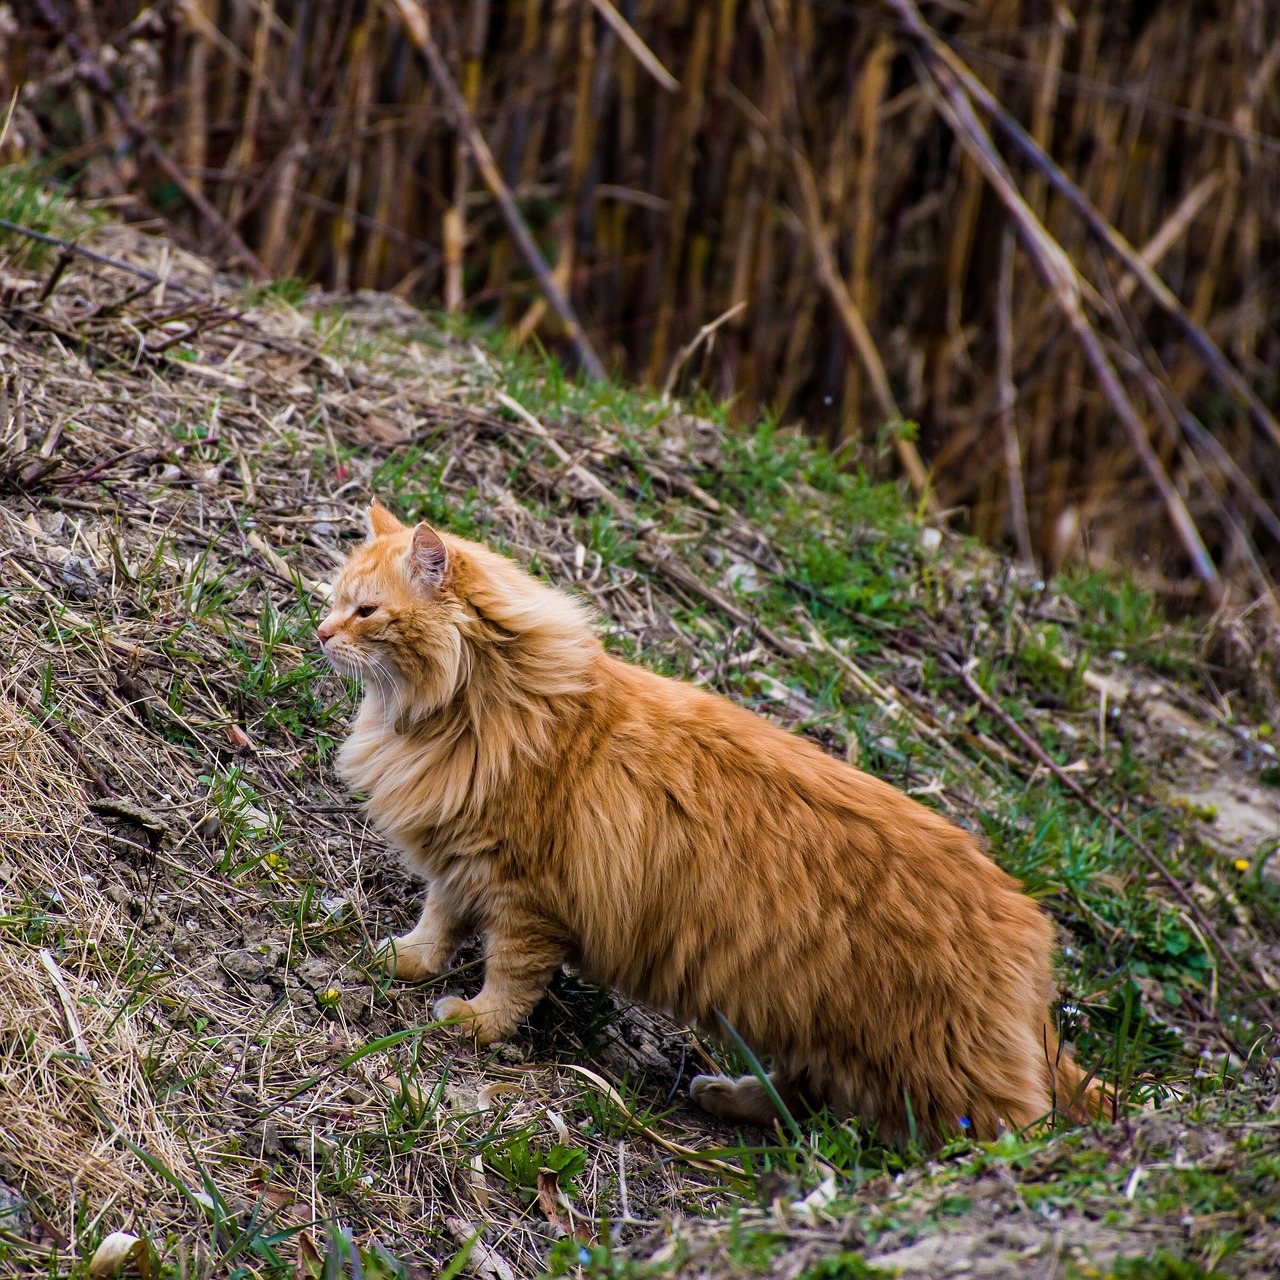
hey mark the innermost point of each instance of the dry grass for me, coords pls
(804, 164)
(189, 1044)
(171, 832)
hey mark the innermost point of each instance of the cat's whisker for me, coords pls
(388, 692)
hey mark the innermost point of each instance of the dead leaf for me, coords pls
(308, 1265)
(551, 1202)
(274, 1194)
(119, 1251)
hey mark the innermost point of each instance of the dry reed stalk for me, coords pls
(1172, 230)
(1062, 278)
(868, 99)
(1046, 101)
(855, 326)
(686, 352)
(242, 157)
(455, 216)
(362, 86)
(346, 167)
(676, 165)
(572, 187)
(1193, 330)
(1006, 406)
(196, 130)
(636, 46)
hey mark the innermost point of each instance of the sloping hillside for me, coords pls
(191, 1046)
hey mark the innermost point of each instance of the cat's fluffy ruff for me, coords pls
(675, 846)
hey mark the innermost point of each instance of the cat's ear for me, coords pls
(381, 521)
(428, 558)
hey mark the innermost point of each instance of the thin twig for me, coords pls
(153, 280)
(687, 351)
(414, 18)
(94, 256)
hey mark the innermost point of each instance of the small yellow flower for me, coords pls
(329, 998)
(1241, 864)
(276, 861)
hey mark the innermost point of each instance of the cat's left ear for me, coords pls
(428, 558)
(381, 522)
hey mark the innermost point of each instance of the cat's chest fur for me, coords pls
(426, 786)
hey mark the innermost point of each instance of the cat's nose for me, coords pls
(325, 630)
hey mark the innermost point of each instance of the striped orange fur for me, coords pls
(674, 846)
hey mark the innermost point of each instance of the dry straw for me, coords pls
(66, 1104)
(166, 1024)
(616, 176)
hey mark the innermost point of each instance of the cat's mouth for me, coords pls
(342, 663)
(365, 667)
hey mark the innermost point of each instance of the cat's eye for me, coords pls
(366, 610)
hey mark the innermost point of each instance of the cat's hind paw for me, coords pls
(741, 1101)
(710, 1092)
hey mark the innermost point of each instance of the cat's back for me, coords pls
(717, 844)
(702, 780)
(675, 730)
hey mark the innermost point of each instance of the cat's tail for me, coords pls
(1080, 1096)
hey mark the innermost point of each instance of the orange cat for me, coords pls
(669, 843)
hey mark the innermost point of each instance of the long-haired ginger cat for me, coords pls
(573, 807)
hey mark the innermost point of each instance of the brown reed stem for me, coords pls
(637, 47)
(1007, 395)
(855, 326)
(1223, 372)
(415, 22)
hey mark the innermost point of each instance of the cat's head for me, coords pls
(395, 617)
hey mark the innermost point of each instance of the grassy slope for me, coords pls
(204, 892)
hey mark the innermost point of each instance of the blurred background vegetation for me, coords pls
(1027, 247)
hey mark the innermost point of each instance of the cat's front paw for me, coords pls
(472, 1016)
(410, 961)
